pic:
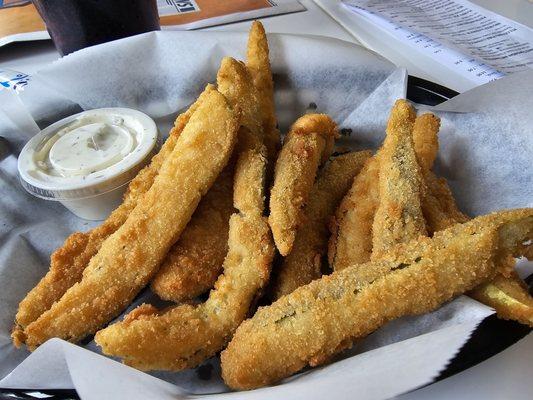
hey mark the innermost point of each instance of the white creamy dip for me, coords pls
(87, 155)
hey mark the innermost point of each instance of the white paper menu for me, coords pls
(473, 42)
(403, 53)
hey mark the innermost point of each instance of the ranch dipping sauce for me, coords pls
(85, 161)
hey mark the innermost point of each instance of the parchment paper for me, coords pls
(160, 74)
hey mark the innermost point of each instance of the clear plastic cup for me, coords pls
(86, 161)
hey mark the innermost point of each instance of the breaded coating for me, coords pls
(304, 262)
(235, 83)
(250, 198)
(258, 63)
(308, 144)
(438, 204)
(351, 228)
(194, 263)
(129, 258)
(425, 140)
(186, 335)
(315, 320)
(509, 296)
(440, 189)
(398, 217)
(506, 293)
(436, 217)
(68, 262)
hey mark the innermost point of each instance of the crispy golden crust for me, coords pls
(128, 259)
(441, 191)
(506, 293)
(194, 263)
(398, 217)
(249, 199)
(258, 63)
(304, 262)
(426, 142)
(185, 336)
(351, 228)
(235, 82)
(308, 144)
(315, 320)
(438, 204)
(436, 217)
(68, 262)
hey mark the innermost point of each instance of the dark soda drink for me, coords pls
(75, 24)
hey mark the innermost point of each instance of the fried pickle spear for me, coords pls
(509, 296)
(438, 205)
(304, 262)
(506, 293)
(398, 217)
(315, 320)
(351, 228)
(352, 236)
(258, 63)
(68, 262)
(194, 263)
(308, 144)
(186, 335)
(128, 259)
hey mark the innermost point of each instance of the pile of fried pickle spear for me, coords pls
(196, 219)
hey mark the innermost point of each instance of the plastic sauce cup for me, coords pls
(86, 161)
